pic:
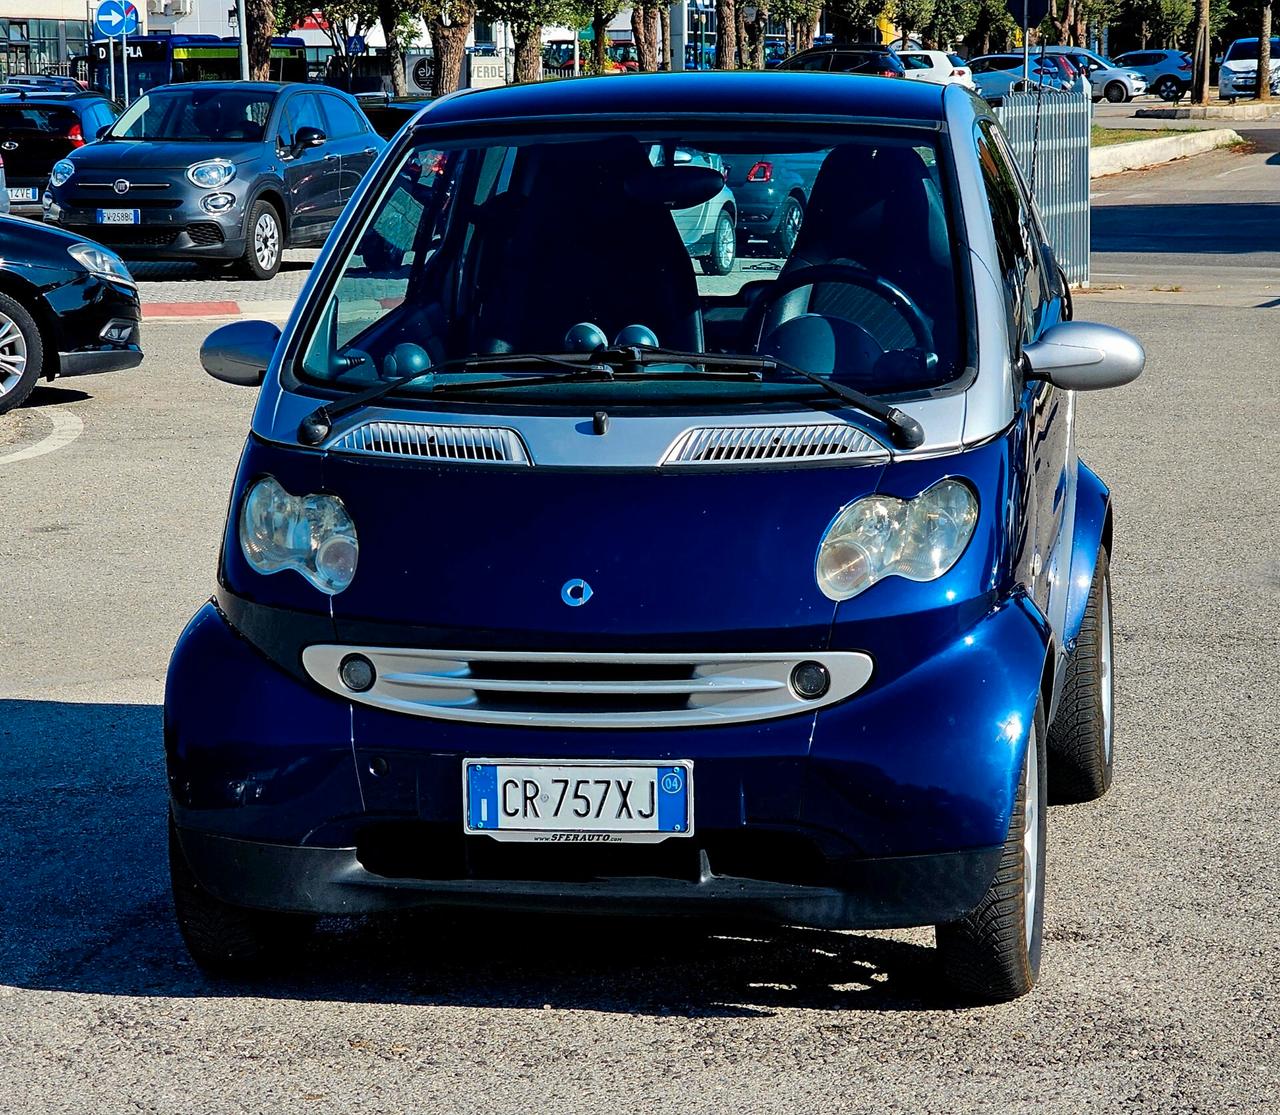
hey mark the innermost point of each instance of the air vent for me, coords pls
(494, 445)
(725, 445)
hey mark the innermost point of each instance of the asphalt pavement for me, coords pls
(1162, 949)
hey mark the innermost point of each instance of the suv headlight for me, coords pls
(882, 536)
(211, 173)
(62, 171)
(312, 534)
(99, 261)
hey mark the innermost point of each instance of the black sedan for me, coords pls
(68, 307)
(217, 170)
(39, 127)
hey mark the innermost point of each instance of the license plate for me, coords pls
(22, 193)
(577, 803)
(118, 216)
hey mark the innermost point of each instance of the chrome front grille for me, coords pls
(497, 445)
(571, 690)
(723, 445)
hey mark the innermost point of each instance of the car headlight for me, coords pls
(312, 534)
(882, 536)
(211, 173)
(97, 260)
(62, 171)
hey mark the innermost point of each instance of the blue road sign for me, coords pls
(355, 44)
(116, 17)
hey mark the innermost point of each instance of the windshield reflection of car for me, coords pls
(177, 114)
(440, 273)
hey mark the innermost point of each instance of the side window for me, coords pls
(304, 112)
(813, 62)
(343, 120)
(1015, 233)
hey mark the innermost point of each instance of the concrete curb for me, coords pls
(277, 310)
(1149, 152)
(1256, 111)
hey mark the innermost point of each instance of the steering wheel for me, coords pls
(848, 273)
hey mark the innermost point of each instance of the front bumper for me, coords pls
(887, 809)
(99, 326)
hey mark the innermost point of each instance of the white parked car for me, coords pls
(936, 65)
(1106, 79)
(1238, 76)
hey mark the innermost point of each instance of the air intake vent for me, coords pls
(495, 445)
(725, 445)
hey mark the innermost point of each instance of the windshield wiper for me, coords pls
(904, 431)
(602, 365)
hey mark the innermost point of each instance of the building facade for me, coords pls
(42, 36)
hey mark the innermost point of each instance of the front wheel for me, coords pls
(265, 244)
(1081, 748)
(227, 940)
(992, 954)
(1115, 93)
(21, 353)
(724, 246)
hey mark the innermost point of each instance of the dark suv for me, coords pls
(217, 170)
(848, 58)
(39, 128)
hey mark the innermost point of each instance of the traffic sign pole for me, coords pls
(111, 63)
(244, 41)
(124, 51)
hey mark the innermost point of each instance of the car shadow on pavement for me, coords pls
(1203, 229)
(55, 396)
(90, 913)
(177, 271)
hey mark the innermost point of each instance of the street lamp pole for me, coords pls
(244, 41)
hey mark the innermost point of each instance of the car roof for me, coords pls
(53, 96)
(251, 86)
(721, 94)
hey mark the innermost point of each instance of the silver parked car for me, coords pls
(709, 229)
(1115, 83)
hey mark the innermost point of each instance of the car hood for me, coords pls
(124, 154)
(1248, 65)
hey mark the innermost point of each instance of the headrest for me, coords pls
(674, 187)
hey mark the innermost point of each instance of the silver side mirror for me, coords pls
(239, 353)
(1084, 356)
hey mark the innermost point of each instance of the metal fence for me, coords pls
(1049, 133)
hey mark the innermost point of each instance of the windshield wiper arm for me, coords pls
(904, 431)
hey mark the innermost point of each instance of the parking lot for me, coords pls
(1162, 946)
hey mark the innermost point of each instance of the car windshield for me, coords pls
(555, 244)
(1246, 50)
(195, 113)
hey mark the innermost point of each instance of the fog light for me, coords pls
(117, 332)
(810, 680)
(217, 203)
(357, 673)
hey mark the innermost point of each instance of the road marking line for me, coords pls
(1234, 170)
(66, 428)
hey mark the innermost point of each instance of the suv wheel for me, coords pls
(1168, 88)
(265, 245)
(724, 246)
(789, 222)
(992, 954)
(1115, 93)
(21, 353)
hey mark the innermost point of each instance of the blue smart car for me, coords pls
(553, 581)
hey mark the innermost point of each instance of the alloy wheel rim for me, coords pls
(1104, 670)
(725, 244)
(1030, 833)
(793, 226)
(266, 241)
(13, 354)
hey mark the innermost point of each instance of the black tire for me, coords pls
(1081, 738)
(724, 246)
(21, 353)
(1115, 93)
(789, 222)
(225, 940)
(1168, 88)
(989, 955)
(264, 242)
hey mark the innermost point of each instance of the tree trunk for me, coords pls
(805, 25)
(260, 22)
(527, 38)
(449, 42)
(387, 17)
(725, 28)
(646, 42)
(599, 39)
(1200, 70)
(1264, 54)
(753, 39)
(664, 21)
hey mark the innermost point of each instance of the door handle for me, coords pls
(331, 158)
(370, 151)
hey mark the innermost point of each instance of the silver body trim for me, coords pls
(720, 689)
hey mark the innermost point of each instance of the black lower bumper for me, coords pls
(883, 893)
(90, 362)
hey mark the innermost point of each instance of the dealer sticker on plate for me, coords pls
(582, 802)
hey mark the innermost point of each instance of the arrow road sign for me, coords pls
(116, 17)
